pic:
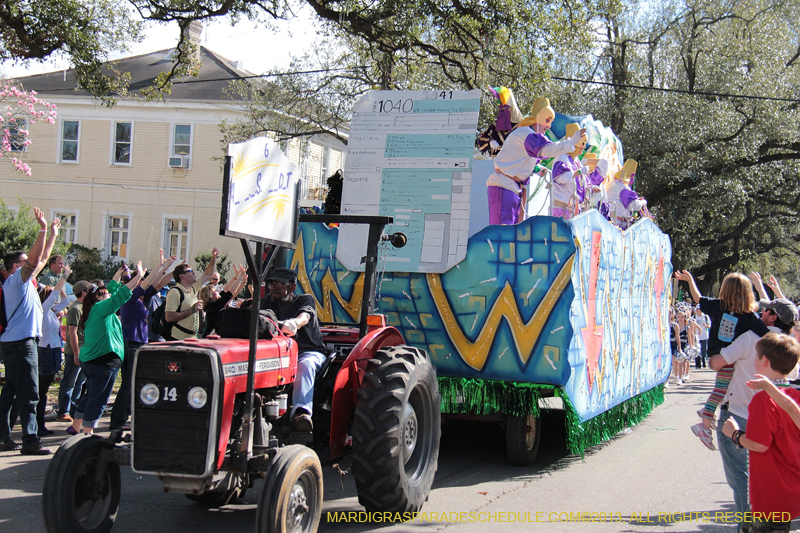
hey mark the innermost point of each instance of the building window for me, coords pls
(182, 140)
(123, 140)
(16, 132)
(69, 141)
(326, 162)
(177, 237)
(69, 227)
(117, 236)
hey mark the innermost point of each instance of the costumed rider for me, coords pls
(570, 179)
(593, 197)
(491, 140)
(298, 318)
(523, 149)
(623, 203)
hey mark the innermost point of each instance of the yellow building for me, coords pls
(140, 176)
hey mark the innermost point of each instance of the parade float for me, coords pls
(511, 315)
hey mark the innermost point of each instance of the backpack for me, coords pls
(160, 324)
(234, 322)
(3, 318)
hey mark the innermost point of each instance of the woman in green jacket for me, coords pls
(102, 351)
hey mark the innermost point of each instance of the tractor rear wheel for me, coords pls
(396, 430)
(523, 434)
(72, 499)
(291, 500)
(227, 490)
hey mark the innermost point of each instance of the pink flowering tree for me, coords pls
(18, 109)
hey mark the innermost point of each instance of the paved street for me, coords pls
(659, 467)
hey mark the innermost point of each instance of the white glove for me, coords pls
(584, 170)
(637, 204)
(602, 167)
(289, 327)
(576, 138)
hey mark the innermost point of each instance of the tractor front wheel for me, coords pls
(396, 430)
(81, 494)
(291, 500)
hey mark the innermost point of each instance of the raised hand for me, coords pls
(775, 286)
(759, 382)
(161, 256)
(683, 275)
(139, 268)
(755, 277)
(40, 218)
(67, 271)
(55, 224)
(215, 252)
(166, 263)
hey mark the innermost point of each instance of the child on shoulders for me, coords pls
(732, 314)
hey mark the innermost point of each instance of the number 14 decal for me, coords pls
(170, 394)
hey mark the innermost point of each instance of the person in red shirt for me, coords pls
(772, 438)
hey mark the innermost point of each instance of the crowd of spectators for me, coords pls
(104, 324)
(751, 344)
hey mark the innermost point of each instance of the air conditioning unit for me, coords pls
(181, 161)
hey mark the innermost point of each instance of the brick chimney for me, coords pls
(194, 33)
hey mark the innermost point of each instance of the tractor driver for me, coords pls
(298, 317)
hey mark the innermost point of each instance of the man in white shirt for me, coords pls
(779, 316)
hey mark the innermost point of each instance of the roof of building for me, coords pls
(144, 69)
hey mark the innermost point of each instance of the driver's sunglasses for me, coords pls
(273, 283)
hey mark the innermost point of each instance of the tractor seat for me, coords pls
(331, 356)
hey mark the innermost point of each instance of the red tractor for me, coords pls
(210, 416)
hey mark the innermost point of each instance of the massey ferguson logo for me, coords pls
(173, 367)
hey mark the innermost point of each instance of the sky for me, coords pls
(245, 41)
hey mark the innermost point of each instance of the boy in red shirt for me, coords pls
(772, 438)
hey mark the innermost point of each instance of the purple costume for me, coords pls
(567, 190)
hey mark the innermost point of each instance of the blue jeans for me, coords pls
(69, 392)
(734, 460)
(49, 360)
(14, 415)
(21, 359)
(122, 403)
(308, 364)
(99, 382)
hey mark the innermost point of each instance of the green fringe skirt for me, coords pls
(484, 397)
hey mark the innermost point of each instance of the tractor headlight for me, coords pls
(198, 397)
(149, 394)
